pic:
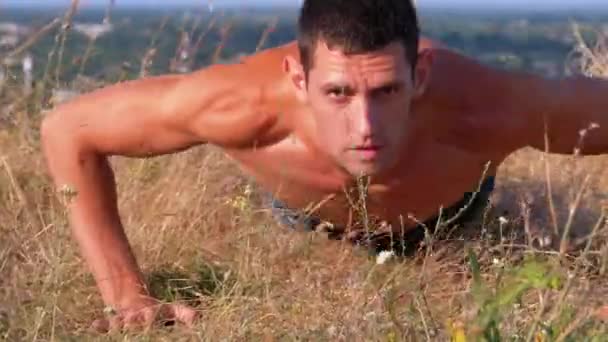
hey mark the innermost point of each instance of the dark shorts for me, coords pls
(463, 211)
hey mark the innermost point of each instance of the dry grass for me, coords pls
(200, 236)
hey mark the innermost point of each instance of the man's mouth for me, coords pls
(368, 151)
(367, 148)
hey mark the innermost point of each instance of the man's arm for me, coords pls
(222, 104)
(514, 109)
(554, 112)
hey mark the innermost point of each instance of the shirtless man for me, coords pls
(359, 94)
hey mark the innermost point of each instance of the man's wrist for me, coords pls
(125, 294)
(133, 300)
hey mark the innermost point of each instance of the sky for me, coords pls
(521, 4)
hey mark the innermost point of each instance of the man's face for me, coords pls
(361, 106)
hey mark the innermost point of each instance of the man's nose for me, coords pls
(365, 118)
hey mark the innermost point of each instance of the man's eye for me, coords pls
(337, 92)
(389, 90)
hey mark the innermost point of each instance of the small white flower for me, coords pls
(108, 310)
(545, 241)
(503, 220)
(582, 132)
(384, 256)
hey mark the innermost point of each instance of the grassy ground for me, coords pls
(200, 236)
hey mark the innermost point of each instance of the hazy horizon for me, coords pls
(464, 4)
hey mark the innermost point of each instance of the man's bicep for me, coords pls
(547, 111)
(233, 106)
(567, 113)
(221, 104)
(130, 119)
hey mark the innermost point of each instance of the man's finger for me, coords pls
(116, 323)
(184, 314)
(149, 317)
(101, 326)
(137, 320)
(106, 325)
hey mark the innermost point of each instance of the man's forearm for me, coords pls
(99, 232)
(93, 215)
(582, 106)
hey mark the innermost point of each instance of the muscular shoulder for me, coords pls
(472, 102)
(240, 104)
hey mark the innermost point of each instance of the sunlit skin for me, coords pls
(423, 135)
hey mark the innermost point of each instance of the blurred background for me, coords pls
(111, 38)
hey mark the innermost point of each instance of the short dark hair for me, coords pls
(357, 26)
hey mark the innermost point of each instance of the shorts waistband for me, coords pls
(461, 212)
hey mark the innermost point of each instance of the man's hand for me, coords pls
(144, 313)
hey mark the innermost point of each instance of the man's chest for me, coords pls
(431, 176)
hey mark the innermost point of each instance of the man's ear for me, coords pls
(295, 73)
(422, 72)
